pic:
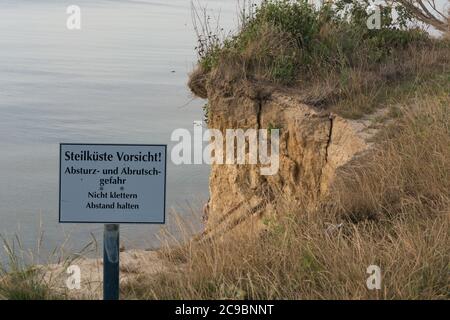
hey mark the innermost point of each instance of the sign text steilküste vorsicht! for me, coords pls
(86, 155)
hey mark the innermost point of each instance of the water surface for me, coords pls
(120, 79)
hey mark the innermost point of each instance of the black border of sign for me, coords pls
(113, 144)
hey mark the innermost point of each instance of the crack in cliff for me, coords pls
(327, 146)
(258, 113)
(259, 108)
(330, 133)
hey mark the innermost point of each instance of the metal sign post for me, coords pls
(111, 257)
(112, 184)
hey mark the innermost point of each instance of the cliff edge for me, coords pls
(313, 144)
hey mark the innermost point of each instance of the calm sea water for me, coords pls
(120, 79)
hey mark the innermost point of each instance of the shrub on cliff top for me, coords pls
(328, 54)
(281, 40)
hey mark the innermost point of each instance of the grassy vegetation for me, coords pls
(23, 276)
(288, 38)
(328, 55)
(27, 285)
(20, 280)
(389, 209)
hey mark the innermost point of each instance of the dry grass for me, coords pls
(394, 210)
(363, 90)
(24, 274)
(408, 174)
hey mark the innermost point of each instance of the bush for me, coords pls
(328, 54)
(331, 36)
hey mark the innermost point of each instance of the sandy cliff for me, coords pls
(313, 145)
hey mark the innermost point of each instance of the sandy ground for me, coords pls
(133, 263)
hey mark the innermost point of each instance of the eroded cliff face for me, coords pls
(313, 144)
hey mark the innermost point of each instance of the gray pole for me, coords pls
(111, 262)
